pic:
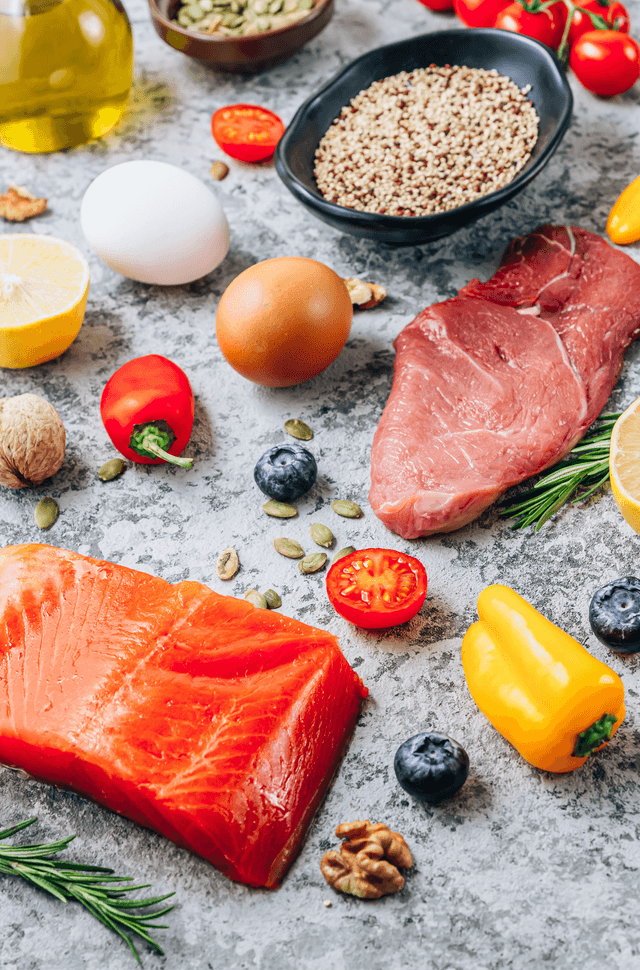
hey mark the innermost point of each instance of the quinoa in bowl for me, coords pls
(426, 141)
(539, 86)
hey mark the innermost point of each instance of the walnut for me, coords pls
(367, 863)
(32, 440)
(18, 204)
(364, 296)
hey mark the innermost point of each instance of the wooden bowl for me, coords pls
(239, 55)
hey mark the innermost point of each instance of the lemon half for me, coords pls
(624, 464)
(44, 284)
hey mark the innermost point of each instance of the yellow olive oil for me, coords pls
(65, 71)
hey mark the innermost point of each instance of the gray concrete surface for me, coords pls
(523, 869)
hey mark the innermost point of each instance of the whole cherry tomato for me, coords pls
(527, 18)
(618, 17)
(607, 62)
(246, 131)
(614, 14)
(147, 409)
(377, 588)
(437, 4)
(479, 13)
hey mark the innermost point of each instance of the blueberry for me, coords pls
(614, 615)
(431, 766)
(286, 472)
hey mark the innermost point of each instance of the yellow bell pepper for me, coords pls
(539, 687)
(623, 224)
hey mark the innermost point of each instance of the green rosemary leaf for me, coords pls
(586, 467)
(91, 886)
(7, 833)
(594, 488)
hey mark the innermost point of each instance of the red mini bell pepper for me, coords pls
(147, 410)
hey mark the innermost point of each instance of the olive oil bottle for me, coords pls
(65, 71)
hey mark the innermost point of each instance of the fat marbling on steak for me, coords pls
(500, 382)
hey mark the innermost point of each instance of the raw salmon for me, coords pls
(217, 724)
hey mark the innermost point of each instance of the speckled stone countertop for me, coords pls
(522, 869)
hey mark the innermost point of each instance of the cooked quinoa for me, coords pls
(426, 141)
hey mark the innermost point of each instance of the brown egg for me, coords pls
(283, 321)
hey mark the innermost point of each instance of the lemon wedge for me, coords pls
(624, 464)
(44, 284)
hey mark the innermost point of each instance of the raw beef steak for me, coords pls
(217, 724)
(500, 382)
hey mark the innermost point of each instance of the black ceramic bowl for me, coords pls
(524, 60)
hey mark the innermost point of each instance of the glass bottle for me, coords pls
(65, 71)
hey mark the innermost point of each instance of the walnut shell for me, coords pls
(32, 440)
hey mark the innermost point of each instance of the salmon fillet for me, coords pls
(214, 723)
(500, 382)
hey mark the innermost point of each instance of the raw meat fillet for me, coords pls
(503, 380)
(217, 724)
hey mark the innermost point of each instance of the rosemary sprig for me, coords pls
(91, 886)
(586, 467)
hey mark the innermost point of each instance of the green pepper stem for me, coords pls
(599, 733)
(152, 440)
(150, 445)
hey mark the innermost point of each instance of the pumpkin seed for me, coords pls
(273, 600)
(342, 553)
(111, 469)
(46, 513)
(257, 598)
(280, 510)
(289, 548)
(240, 17)
(227, 565)
(219, 171)
(321, 534)
(350, 510)
(313, 562)
(298, 429)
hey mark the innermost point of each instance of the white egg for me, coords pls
(154, 223)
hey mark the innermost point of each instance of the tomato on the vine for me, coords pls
(529, 17)
(606, 62)
(478, 13)
(437, 4)
(377, 588)
(614, 14)
(618, 17)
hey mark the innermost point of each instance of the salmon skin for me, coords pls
(214, 723)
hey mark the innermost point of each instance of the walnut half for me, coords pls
(368, 861)
(18, 204)
(364, 296)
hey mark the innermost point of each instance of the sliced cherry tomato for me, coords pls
(246, 131)
(437, 4)
(614, 14)
(479, 13)
(377, 588)
(527, 18)
(606, 62)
